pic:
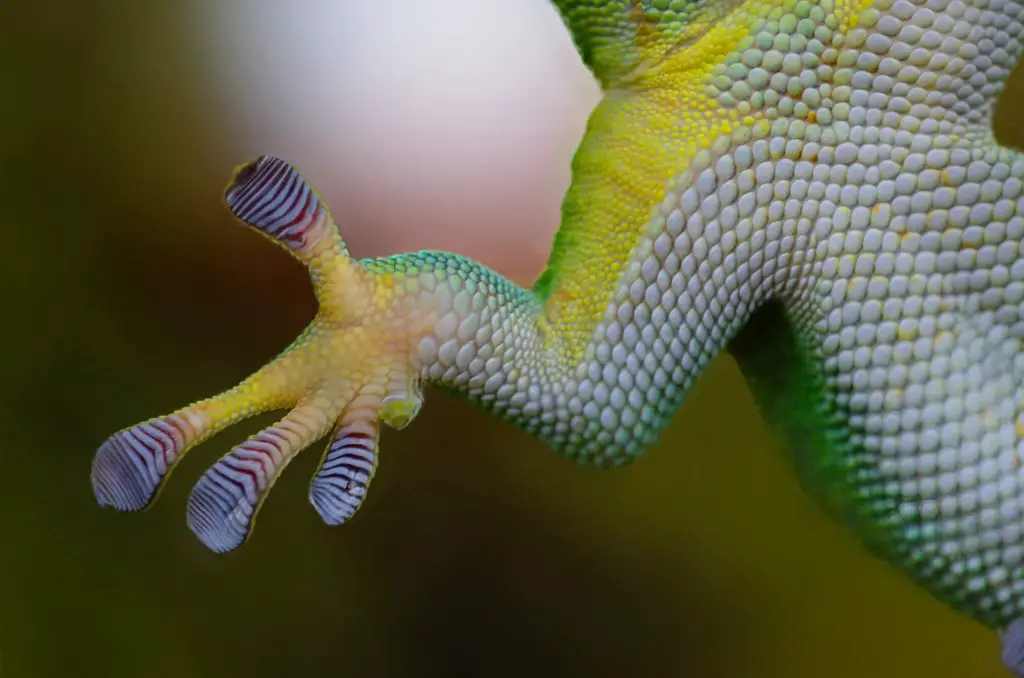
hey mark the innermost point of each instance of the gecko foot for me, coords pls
(350, 370)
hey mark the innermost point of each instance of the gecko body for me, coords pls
(811, 186)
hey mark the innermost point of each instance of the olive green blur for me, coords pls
(129, 291)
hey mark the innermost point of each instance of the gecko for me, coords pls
(811, 186)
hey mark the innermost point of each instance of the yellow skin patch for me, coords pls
(638, 140)
(642, 135)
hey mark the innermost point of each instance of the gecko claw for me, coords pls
(399, 408)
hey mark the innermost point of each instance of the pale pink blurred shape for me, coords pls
(447, 124)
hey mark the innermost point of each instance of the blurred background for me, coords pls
(129, 291)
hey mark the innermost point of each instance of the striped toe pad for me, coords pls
(338, 489)
(132, 464)
(225, 500)
(270, 195)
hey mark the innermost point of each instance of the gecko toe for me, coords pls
(131, 465)
(224, 502)
(340, 484)
(219, 513)
(335, 499)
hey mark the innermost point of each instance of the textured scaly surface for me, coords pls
(811, 185)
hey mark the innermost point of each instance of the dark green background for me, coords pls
(128, 291)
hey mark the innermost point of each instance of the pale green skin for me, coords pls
(852, 236)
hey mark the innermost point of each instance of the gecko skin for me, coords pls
(813, 186)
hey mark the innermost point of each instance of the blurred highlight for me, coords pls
(448, 124)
